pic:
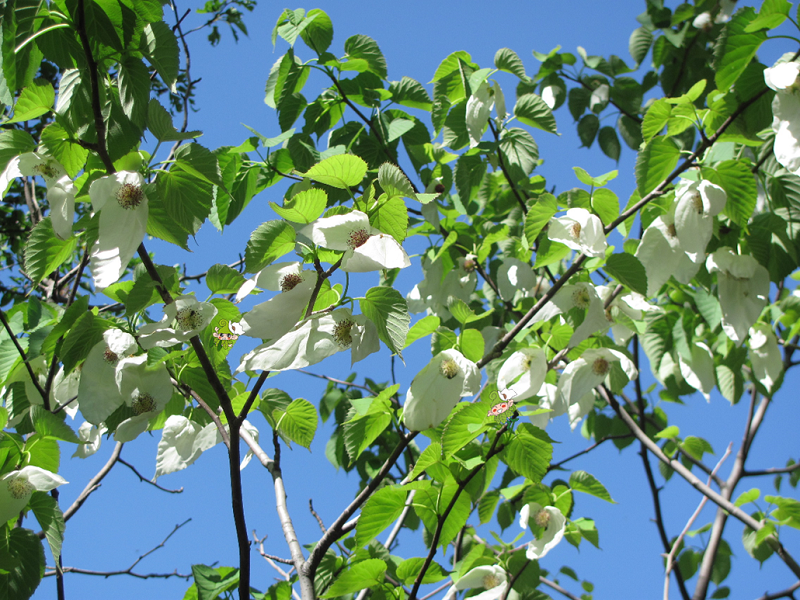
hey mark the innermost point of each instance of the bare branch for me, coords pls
(146, 480)
(558, 588)
(94, 483)
(787, 593)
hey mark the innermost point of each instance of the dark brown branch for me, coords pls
(94, 484)
(773, 471)
(787, 593)
(334, 380)
(620, 436)
(24, 357)
(146, 480)
(558, 588)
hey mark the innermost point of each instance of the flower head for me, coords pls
(583, 296)
(697, 205)
(581, 376)
(743, 286)
(437, 291)
(550, 525)
(90, 436)
(437, 388)
(123, 212)
(365, 248)
(662, 256)
(183, 319)
(146, 390)
(492, 578)
(580, 230)
(17, 487)
(98, 390)
(523, 373)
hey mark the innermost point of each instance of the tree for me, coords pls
(538, 304)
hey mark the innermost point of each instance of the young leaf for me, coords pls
(342, 171)
(270, 241)
(581, 481)
(387, 308)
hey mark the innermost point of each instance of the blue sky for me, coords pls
(126, 518)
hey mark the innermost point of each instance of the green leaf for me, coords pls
(410, 92)
(408, 571)
(160, 124)
(160, 47)
(134, 89)
(581, 481)
(606, 204)
(424, 327)
(185, 197)
(630, 132)
(654, 163)
(460, 430)
(550, 252)
(627, 270)
(362, 430)
(47, 424)
(668, 433)
(735, 48)
(365, 574)
(391, 218)
(51, 520)
(85, 333)
(533, 111)
(387, 308)
(770, 16)
(222, 279)
(639, 43)
(750, 495)
(609, 143)
(298, 422)
(341, 171)
(303, 207)
(529, 452)
(44, 252)
(211, 583)
(66, 151)
(382, 508)
(588, 127)
(21, 579)
(471, 343)
(507, 60)
(520, 149)
(270, 241)
(363, 49)
(430, 503)
(394, 182)
(540, 211)
(739, 183)
(318, 32)
(34, 101)
(14, 142)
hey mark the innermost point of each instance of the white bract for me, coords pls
(189, 317)
(91, 436)
(277, 316)
(743, 287)
(515, 279)
(98, 389)
(699, 372)
(583, 296)
(146, 390)
(523, 373)
(783, 78)
(60, 189)
(182, 443)
(581, 376)
(365, 247)
(65, 390)
(725, 11)
(702, 21)
(662, 256)
(17, 487)
(314, 340)
(549, 524)
(479, 106)
(631, 305)
(492, 578)
(765, 355)
(599, 98)
(123, 209)
(437, 388)
(697, 205)
(580, 230)
(437, 291)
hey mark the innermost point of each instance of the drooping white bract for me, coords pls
(91, 436)
(580, 230)
(523, 373)
(123, 212)
(98, 390)
(725, 11)
(438, 387)
(583, 296)
(743, 287)
(146, 390)
(631, 304)
(783, 78)
(492, 578)
(17, 487)
(277, 316)
(182, 443)
(696, 206)
(662, 256)
(479, 106)
(60, 189)
(581, 408)
(436, 292)
(765, 355)
(189, 316)
(365, 247)
(699, 372)
(581, 376)
(314, 340)
(550, 524)
(515, 279)
(499, 101)
(65, 390)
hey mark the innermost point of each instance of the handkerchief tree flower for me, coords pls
(183, 318)
(548, 525)
(580, 230)
(17, 487)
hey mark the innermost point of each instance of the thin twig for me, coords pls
(146, 480)
(787, 593)
(558, 588)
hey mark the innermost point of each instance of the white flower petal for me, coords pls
(380, 251)
(553, 534)
(765, 355)
(743, 287)
(479, 106)
(91, 435)
(61, 196)
(530, 366)
(277, 316)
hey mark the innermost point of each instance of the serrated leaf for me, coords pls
(410, 92)
(391, 218)
(740, 185)
(627, 270)
(298, 422)
(304, 207)
(341, 171)
(318, 32)
(361, 431)
(639, 43)
(365, 574)
(47, 424)
(23, 578)
(471, 344)
(222, 279)
(270, 241)
(394, 182)
(159, 122)
(44, 252)
(51, 520)
(160, 47)
(581, 481)
(381, 509)
(606, 204)
(533, 111)
(408, 571)
(588, 127)
(35, 100)
(365, 50)
(82, 337)
(458, 431)
(424, 327)
(508, 60)
(529, 452)
(735, 48)
(539, 214)
(387, 308)
(609, 143)
(654, 163)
